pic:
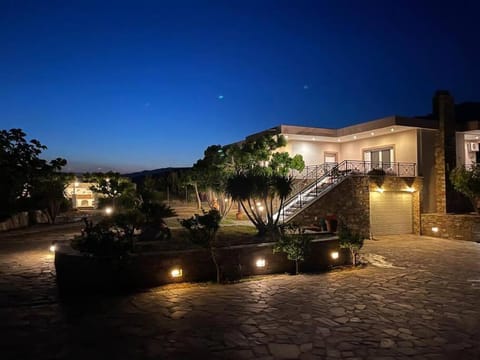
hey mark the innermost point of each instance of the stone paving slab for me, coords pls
(421, 301)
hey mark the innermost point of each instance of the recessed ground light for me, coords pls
(372, 133)
(334, 255)
(392, 129)
(355, 136)
(338, 140)
(177, 272)
(435, 229)
(410, 189)
(260, 263)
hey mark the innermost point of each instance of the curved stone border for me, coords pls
(77, 271)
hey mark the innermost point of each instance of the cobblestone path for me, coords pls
(420, 299)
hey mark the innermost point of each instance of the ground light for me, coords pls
(53, 248)
(435, 229)
(334, 255)
(380, 190)
(260, 263)
(176, 273)
(108, 210)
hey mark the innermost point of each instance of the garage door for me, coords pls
(390, 213)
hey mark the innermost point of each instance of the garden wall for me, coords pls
(76, 271)
(452, 226)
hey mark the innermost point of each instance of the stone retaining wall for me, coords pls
(452, 226)
(15, 222)
(76, 271)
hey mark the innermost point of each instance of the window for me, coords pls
(379, 158)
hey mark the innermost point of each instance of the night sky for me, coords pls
(148, 84)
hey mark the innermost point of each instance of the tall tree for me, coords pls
(212, 172)
(21, 167)
(260, 182)
(48, 189)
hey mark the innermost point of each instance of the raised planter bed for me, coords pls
(78, 272)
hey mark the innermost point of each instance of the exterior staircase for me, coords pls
(328, 176)
(320, 179)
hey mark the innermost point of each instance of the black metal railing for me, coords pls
(319, 179)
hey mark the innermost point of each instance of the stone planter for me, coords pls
(77, 272)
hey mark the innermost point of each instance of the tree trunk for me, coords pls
(354, 260)
(199, 201)
(296, 267)
(217, 268)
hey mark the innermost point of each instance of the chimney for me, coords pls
(445, 150)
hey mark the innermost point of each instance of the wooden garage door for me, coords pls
(391, 213)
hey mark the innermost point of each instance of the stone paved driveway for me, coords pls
(420, 301)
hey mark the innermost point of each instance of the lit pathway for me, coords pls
(423, 302)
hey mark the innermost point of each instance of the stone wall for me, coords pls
(350, 202)
(77, 272)
(452, 226)
(15, 222)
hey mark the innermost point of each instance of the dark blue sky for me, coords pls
(138, 84)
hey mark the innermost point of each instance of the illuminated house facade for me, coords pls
(81, 195)
(415, 154)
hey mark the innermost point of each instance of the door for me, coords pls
(330, 158)
(391, 213)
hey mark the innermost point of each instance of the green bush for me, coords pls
(293, 242)
(202, 230)
(101, 240)
(353, 241)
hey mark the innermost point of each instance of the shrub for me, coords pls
(293, 242)
(353, 241)
(376, 172)
(202, 231)
(101, 240)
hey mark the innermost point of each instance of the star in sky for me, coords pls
(220, 97)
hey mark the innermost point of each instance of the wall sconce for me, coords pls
(435, 229)
(380, 190)
(334, 255)
(176, 273)
(260, 263)
(410, 189)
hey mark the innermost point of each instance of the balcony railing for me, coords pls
(356, 167)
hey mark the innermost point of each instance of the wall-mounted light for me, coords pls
(355, 137)
(435, 229)
(53, 248)
(410, 189)
(260, 263)
(176, 272)
(380, 190)
(372, 133)
(392, 129)
(334, 255)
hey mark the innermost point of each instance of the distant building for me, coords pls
(81, 195)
